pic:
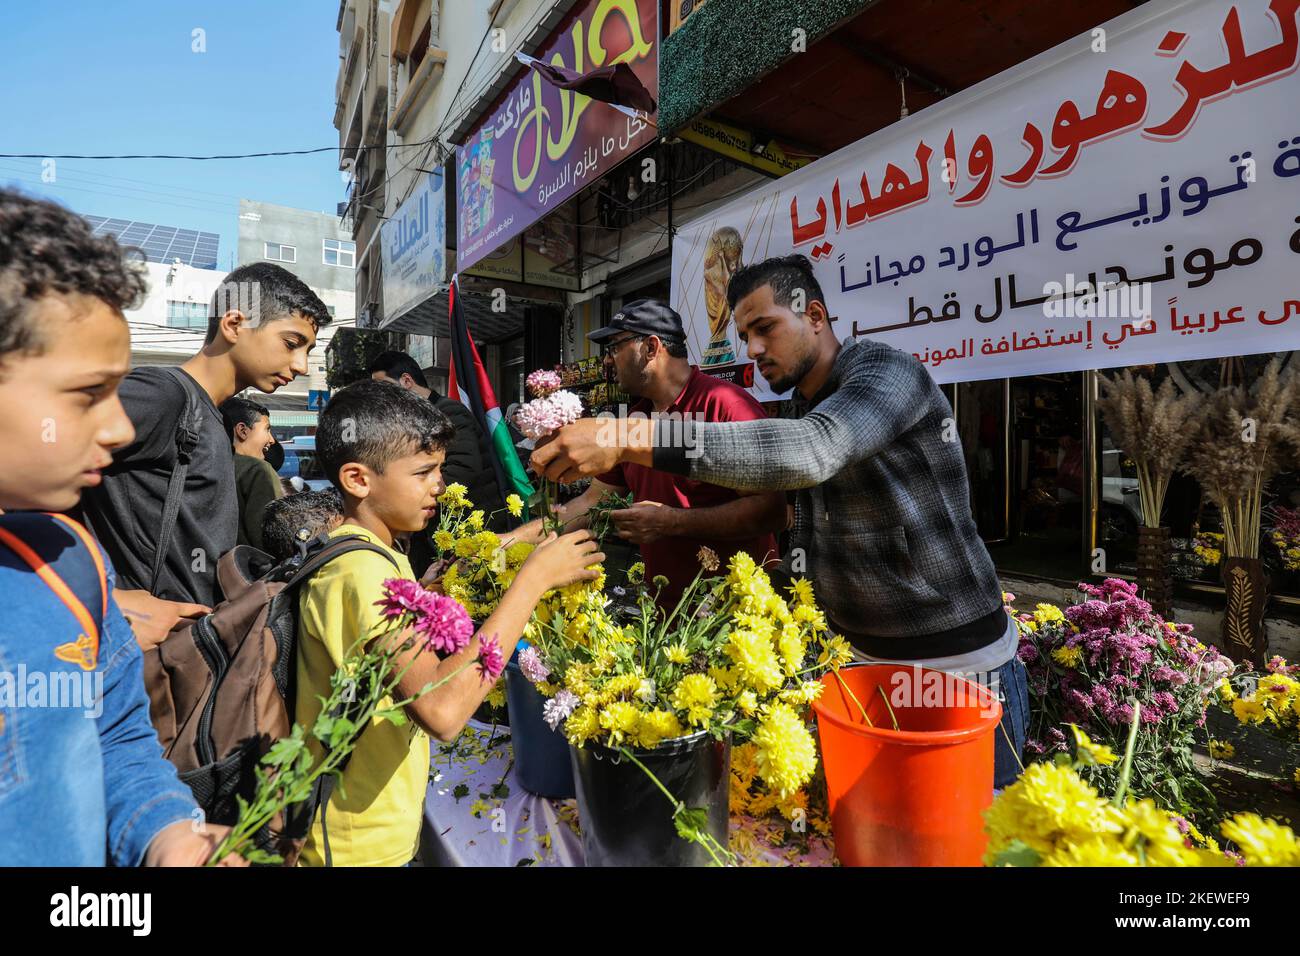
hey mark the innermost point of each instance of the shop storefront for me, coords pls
(1057, 127)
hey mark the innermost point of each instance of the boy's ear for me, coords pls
(354, 479)
(229, 327)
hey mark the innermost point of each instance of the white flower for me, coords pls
(558, 708)
(646, 692)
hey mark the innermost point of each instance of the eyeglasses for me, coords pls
(609, 348)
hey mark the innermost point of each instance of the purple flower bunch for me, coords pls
(1088, 663)
(440, 622)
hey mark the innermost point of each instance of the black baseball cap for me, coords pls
(644, 317)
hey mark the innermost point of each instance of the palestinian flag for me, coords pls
(468, 383)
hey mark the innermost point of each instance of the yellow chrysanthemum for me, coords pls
(741, 568)
(636, 572)
(747, 704)
(515, 505)
(835, 652)
(787, 755)
(1092, 851)
(1262, 842)
(755, 660)
(444, 540)
(496, 697)
(802, 591)
(1153, 830)
(1047, 613)
(1098, 753)
(1224, 689)
(1249, 710)
(1047, 804)
(696, 694)
(1068, 656)
(677, 653)
(453, 498)
(792, 648)
(583, 724)
(656, 726)
(1221, 750)
(619, 720)
(475, 520)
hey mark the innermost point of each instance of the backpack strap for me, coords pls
(188, 427)
(81, 585)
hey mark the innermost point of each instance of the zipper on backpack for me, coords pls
(215, 654)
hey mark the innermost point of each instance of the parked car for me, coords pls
(300, 462)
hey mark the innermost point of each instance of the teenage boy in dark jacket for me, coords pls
(262, 322)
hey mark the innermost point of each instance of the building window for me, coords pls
(280, 252)
(340, 252)
(187, 315)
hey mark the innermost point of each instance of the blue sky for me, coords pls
(88, 76)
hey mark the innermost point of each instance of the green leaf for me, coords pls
(526, 861)
(691, 822)
(460, 790)
(283, 751)
(1017, 854)
(501, 790)
(341, 732)
(393, 715)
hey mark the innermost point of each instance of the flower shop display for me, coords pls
(1053, 816)
(362, 690)
(652, 706)
(908, 754)
(1086, 666)
(1268, 701)
(1245, 435)
(1284, 535)
(1153, 428)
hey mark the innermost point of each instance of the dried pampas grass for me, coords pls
(1245, 436)
(1153, 428)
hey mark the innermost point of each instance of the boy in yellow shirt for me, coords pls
(383, 448)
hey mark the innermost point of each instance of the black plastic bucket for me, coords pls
(628, 821)
(541, 754)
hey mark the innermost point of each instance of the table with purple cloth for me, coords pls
(477, 814)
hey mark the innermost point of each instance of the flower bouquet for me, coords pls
(733, 661)
(1052, 816)
(551, 408)
(362, 691)
(1089, 663)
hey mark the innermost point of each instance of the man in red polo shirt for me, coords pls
(644, 347)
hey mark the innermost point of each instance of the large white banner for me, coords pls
(1130, 196)
(414, 244)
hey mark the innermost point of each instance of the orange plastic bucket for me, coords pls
(911, 796)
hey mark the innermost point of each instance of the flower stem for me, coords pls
(1126, 770)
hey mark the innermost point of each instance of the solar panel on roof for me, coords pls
(161, 243)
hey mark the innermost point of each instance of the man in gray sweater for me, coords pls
(882, 525)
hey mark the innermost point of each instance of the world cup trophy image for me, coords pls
(722, 260)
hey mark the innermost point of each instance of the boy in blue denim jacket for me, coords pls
(82, 777)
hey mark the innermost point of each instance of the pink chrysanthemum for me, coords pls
(490, 661)
(530, 662)
(542, 416)
(402, 597)
(444, 624)
(542, 382)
